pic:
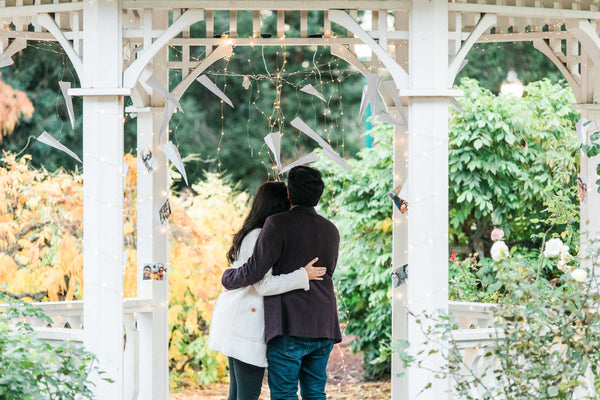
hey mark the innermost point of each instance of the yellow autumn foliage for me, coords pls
(14, 104)
(41, 251)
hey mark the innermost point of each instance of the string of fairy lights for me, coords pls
(275, 119)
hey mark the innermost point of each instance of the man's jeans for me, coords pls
(293, 358)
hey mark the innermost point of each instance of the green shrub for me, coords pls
(31, 369)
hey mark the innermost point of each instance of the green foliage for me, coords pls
(489, 63)
(31, 369)
(358, 204)
(504, 152)
(547, 339)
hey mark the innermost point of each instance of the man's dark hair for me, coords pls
(305, 186)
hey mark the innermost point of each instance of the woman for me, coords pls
(237, 327)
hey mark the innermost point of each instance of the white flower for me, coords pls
(497, 234)
(579, 275)
(499, 251)
(562, 265)
(553, 248)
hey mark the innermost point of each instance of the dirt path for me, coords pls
(345, 381)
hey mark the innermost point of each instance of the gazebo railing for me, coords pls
(474, 337)
(68, 323)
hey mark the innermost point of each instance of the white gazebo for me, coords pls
(115, 45)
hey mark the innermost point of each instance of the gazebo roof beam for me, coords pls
(292, 5)
(531, 12)
(24, 11)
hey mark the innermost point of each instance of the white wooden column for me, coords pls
(590, 206)
(152, 236)
(399, 258)
(427, 183)
(103, 193)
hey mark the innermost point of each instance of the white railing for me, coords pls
(67, 325)
(474, 337)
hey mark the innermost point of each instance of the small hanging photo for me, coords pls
(147, 272)
(399, 201)
(148, 160)
(162, 272)
(581, 189)
(165, 212)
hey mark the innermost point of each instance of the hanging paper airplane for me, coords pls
(50, 141)
(456, 103)
(205, 80)
(166, 117)
(388, 119)
(390, 87)
(311, 90)
(5, 61)
(172, 154)
(372, 94)
(273, 140)
(307, 159)
(64, 88)
(155, 84)
(327, 149)
(581, 127)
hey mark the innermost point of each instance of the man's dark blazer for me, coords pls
(287, 242)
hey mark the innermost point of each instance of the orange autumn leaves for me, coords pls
(14, 104)
(41, 223)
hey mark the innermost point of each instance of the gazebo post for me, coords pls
(590, 206)
(103, 192)
(427, 186)
(152, 236)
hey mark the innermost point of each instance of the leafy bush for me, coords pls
(31, 368)
(504, 152)
(358, 204)
(547, 337)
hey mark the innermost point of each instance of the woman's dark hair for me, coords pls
(271, 198)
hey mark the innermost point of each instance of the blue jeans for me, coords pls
(292, 359)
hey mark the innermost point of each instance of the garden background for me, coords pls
(513, 164)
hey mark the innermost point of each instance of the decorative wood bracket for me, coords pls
(583, 31)
(574, 81)
(484, 25)
(343, 19)
(223, 51)
(132, 73)
(48, 23)
(16, 46)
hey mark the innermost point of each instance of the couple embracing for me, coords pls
(276, 312)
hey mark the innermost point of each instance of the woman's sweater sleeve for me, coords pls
(271, 284)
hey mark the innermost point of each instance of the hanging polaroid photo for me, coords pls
(162, 272)
(165, 212)
(147, 272)
(148, 160)
(399, 201)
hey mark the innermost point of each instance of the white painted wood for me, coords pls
(48, 23)
(16, 46)
(221, 52)
(397, 72)
(573, 81)
(103, 261)
(270, 5)
(590, 206)
(399, 256)
(587, 36)
(135, 69)
(152, 236)
(427, 234)
(99, 91)
(40, 9)
(558, 13)
(484, 25)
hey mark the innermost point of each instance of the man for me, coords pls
(300, 326)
